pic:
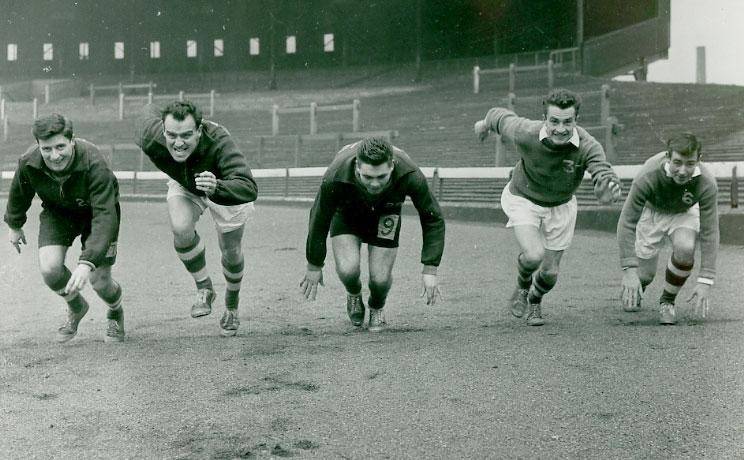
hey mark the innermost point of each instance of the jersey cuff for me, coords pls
(88, 263)
(707, 281)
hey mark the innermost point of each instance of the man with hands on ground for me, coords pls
(539, 199)
(359, 201)
(673, 196)
(79, 197)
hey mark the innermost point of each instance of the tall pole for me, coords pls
(700, 67)
(579, 42)
(419, 42)
(272, 55)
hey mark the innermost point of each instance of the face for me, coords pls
(57, 152)
(560, 124)
(181, 137)
(682, 167)
(374, 179)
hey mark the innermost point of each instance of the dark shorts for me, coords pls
(59, 230)
(382, 231)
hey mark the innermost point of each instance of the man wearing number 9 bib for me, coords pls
(359, 201)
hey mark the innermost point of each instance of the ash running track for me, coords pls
(460, 379)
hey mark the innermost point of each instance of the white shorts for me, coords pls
(556, 223)
(653, 227)
(226, 218)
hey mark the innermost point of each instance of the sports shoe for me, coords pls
(534, 317)
(518, 302)
(355, 309)
(203, 304)
(633, 308)
(376, 320)
(68, 330)
(229, 322)
(114, 326)
(667, 314)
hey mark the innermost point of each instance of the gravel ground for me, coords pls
(460, 379)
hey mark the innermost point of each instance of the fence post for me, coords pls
(435, 183)
(211, 103)
(180, 96)
(499, 151)
(141, 161)
(121, 88)
(92, 94)
(605, 104)
(36, 109)
(46, 93)
(149, 86)
(149, 97)
(355, 106)
(5, 129)
(286, 182)
(111, 157)
(610, 139)
(275, 120)
(298, 146)
(121, 106)
(313, 121)
(551, 75)
(476, 79)
(260, 149)
(734, 189)
(512, 77)
(2, 108)
(511, 101)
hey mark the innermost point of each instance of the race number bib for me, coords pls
(387, 226)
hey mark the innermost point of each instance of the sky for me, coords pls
(715, 24)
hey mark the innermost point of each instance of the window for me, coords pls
(119, 50)
(48, 52)
(291, 44)
(12, 52)
(155, 50)
(255, 49)
(191, 48)
(84, 51)
(328, 45)
(219, 47)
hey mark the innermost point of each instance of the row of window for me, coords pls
(191, 48)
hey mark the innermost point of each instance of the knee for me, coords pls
(348, 271)
(52, 271)
(380, 281)
(183, 232)
(532, 257)
(684, 252)
(100, 281)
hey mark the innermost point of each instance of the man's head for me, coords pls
(561, 111)
(374, 164)
(53, 133)
(683, 152)
(182, 127)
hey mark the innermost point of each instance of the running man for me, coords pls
(539, 199)
(79, 197)
(207, 170)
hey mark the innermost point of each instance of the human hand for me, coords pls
(78, 279)
(631, 289)
(700, 297)
(431, 289)
(206, 182)
(309, 284)
(16, 238)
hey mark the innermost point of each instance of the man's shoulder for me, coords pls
(214, 130)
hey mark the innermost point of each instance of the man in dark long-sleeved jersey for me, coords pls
(207, 171)
(359, 201)
(539, 199)
(673, 196)
(80, 197)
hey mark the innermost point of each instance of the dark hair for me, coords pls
(180, 110)
(686, 144)
(51, 125)
(374, 151)
(563, 99)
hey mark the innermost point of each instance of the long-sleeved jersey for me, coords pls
(654, 188)
(340, 192)
(89, 191)
(548, 175)
(216, 152)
